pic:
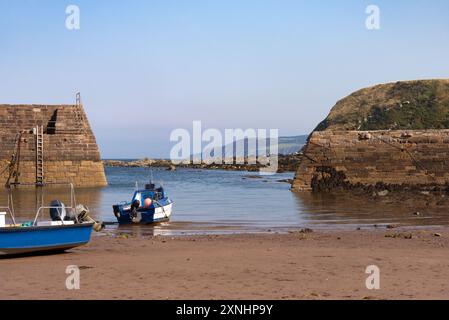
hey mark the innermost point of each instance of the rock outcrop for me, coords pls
(405, 105)
(393, 134)
(286, 163)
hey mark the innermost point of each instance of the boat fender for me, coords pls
(57, 210)
(147, 203)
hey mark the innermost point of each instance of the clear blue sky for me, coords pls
(147, 67)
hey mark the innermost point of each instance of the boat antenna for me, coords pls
(150, 168)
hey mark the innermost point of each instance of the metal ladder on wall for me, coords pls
(77, 111)
(39, 132)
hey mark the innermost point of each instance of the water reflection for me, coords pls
(177, 228)
(343, 209)
(228, 202)
(27, 200)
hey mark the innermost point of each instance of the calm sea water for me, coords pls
(215, 201)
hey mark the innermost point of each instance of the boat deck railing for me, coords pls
(48, 207)
(10, 207)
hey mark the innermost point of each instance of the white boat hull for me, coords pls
(163, 213)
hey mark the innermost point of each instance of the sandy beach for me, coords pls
(315, 265)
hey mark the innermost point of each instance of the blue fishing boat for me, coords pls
(21, 240)
(147, 206)
(69, 227)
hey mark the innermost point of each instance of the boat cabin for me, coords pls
(150, 192)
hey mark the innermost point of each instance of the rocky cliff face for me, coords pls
(392, 134)
(70, 151)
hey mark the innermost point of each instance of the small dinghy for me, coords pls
(149, 205)
(69, 227)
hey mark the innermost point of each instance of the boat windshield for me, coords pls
(141, 196)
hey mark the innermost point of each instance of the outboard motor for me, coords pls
(78, 214)
(57, 211)
(116, 209)
(82, 212)
(133, 210)
(82, 215)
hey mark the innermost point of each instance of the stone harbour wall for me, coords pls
(396, 157)
(70, 150)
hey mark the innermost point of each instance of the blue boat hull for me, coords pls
(147, 218)
(43, 239)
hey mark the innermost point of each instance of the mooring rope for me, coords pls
(15, 160)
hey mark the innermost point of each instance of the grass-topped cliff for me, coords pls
(412, 105)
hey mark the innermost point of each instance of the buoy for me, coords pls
(147, 202)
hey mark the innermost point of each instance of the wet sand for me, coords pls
(317, 265)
